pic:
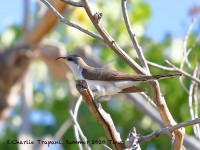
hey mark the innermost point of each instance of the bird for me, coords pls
(106, 82)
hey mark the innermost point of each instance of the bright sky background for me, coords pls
(168, 16)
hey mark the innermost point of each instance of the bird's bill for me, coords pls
(60, 58)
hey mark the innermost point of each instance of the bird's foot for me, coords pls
(98, 104)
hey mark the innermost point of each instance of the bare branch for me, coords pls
(110, 41)
(76, 132)
(160, 66)
(105, 147)
(190, 97)
(195, 95)
(132, 36)
(148, 99)
(62, 19)
(132, 140)
(87, 147)
(76, 4)
(62, 130)
(183, 72)
(168, 69)
(185, 53)
(183, 85)
(104, 119)
(173, 68)
(78, 103)
(168, 130)
(194, 44)
(190, 101)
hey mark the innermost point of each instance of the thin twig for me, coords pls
(196, 93)
(195, 96)
(148, 99)
(62, 19)
(132, 36)
(78, 103)
(181, 68)
(160, 66)
(76, 4)
(183, 85)
(168, 130)
(190, 101)
(105, 147)
(190, 97)
(183, 72)
(80, 131)
(62, 130)
(185, 54)
(195, 43)
(76, 132)
(173, 68)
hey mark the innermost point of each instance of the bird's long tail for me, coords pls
(156, 77)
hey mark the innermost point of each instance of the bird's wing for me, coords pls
(111, 75)
(105, 74)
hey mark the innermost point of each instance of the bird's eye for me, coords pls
(69, 58)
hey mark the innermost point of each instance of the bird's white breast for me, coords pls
(106, 88)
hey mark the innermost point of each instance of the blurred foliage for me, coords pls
(10, 36)
(52, 97)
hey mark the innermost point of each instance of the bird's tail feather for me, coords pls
(157, 77)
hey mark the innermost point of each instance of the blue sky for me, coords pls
(168, 16)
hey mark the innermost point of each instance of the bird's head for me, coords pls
(74, 62)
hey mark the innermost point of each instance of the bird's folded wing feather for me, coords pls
(111, 75)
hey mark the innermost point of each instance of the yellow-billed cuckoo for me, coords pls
(105, 82)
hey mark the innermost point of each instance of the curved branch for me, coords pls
(132, 36)
(104, 118)
(83, 137)
(76, 4)
(62, 19)
(168, 130)
(183, 72)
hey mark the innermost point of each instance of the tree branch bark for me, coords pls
(104, 118)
